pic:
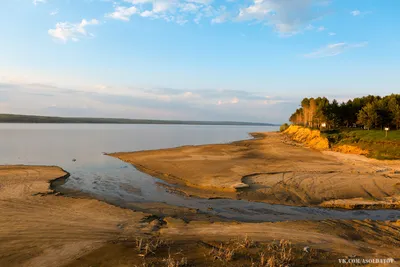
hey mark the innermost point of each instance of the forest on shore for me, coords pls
(370, 112)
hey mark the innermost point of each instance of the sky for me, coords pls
(236, 60)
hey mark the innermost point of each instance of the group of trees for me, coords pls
(369, 111)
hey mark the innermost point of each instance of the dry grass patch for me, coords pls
(280, 255)
(223, 253)
(173, 262)
(147, 246)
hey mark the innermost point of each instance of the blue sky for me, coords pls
(248, 60)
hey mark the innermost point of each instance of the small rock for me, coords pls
(73, 160)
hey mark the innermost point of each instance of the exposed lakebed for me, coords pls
(119, 183)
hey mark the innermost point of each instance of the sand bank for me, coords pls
(272, 169)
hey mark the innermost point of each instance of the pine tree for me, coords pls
(368, 116)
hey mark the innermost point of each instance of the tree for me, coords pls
(312, 111)
(333, 114)
(368, 116)
(396, 117)
(394, 108)
(370, 111)
(322, 108)
(305, 104)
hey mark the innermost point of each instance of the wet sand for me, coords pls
(273, 169)
(39, 227)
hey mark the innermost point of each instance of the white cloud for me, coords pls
(357, 13)
(190, 7)
(54, 12)
(287, 17)
(273, 102)
(221, 18)
(220, 15)
(178, 11)
(66, 31)
(188, 94)
(123, 13)
(332, 34)
(35, 2)
(235, 100)
(146, 14)
(334, 49)
(203, 2)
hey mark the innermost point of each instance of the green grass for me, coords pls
(375, 141)
(375, 135)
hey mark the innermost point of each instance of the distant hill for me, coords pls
(13, 118)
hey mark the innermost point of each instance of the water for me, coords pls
(107, 178)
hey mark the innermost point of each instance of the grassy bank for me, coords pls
(373, 143)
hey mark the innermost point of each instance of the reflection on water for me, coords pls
(108, 178)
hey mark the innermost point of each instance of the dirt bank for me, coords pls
(311, 138)
(272, 169)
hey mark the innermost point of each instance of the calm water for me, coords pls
(107, 178)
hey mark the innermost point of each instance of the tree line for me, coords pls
(368, 111)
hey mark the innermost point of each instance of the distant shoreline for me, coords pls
(14, 118)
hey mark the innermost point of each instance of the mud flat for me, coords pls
(39, 227)
(271, 169)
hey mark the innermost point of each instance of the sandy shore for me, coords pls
(40, 228)
(271, 169)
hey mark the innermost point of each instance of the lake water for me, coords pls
(110, 179)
